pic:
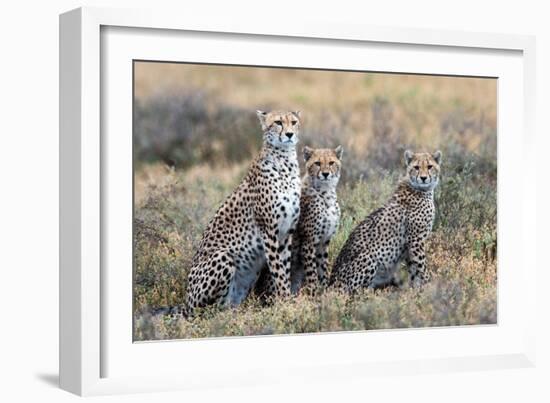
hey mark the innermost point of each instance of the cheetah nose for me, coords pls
(289, 134)
(325, 174)
(423, 178)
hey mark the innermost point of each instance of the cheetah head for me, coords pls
(280, 128)
(423, 169)
(323, 165)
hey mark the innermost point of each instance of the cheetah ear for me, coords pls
(308, 152)
(408, 156)
(298, 114)
(339, 152)
(262, 116)
(437, 156)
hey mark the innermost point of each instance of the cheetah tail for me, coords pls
(174, 312)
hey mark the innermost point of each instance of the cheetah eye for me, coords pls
(294, 122)
(430, 166)
(278, 122)
(416, 167)
(331, 163)
(318, 163)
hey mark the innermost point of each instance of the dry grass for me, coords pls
(203, 126)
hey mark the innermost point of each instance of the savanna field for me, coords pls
(196, 131)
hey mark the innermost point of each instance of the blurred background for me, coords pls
(187, 115)
(196, 131)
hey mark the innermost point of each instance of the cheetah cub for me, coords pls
(319, 218)
(397, 231)
(254, 226)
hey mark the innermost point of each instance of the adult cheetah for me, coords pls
(319, 218)
(397, 231)
(254, 226)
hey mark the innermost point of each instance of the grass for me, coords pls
(193, 147)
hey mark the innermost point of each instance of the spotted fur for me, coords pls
(397, 231)
(319, 218)
(254, 226)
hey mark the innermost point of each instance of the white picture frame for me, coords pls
(95, 340)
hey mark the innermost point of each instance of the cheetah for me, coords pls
(254, 226)
(319, 218)
(397, 231)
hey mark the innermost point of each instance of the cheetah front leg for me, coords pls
(286, 255)
(278, 263)
(418, 275)
(322, 263)
(310, 266)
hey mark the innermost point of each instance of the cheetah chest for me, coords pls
(285, 189)
(420, 218)
(288, 207)
(330, 222)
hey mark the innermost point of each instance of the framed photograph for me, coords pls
(245, 204)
